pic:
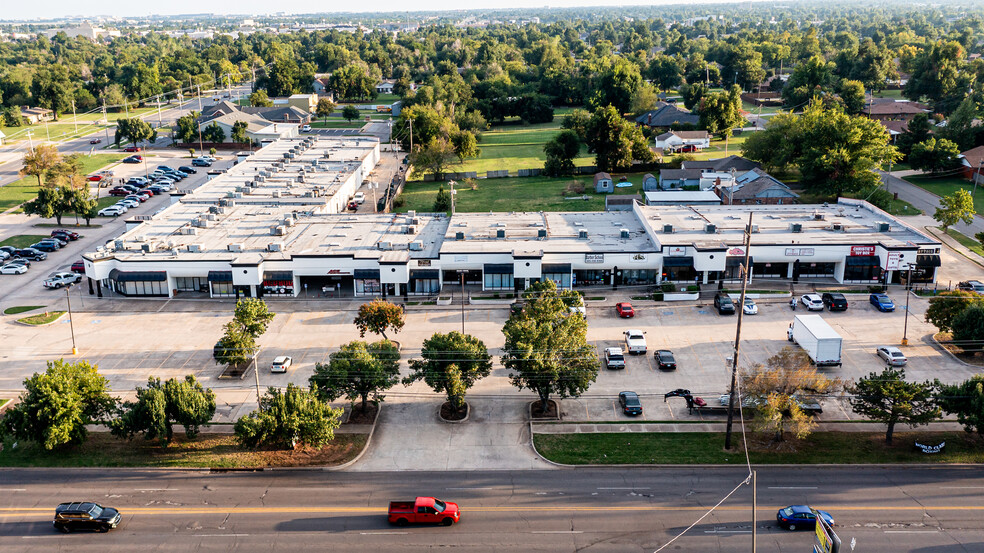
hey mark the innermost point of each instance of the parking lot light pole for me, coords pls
(461, 273)
(71, 320)
(905, 324)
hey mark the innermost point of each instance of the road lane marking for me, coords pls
(383, 533)
(557, 532)
(792, 487)
(622, 488)
(467, 488)
(13, 489)
(38, 537)
(727, 531)
(155, 490)
(219, 535)
(912, 531)
(962, 487)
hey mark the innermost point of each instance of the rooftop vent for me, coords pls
(459, 236)
(416, 245)
(501, 233)
(235, 247)
(796, 227)
(278, 230)
(837, 227)
(624, 233)
(710, 229)
(195, 248)
(385, 245)
(668, 229)
(541, 233)
(275, 247)
(582, 234)
(411, 229)
(882, 226)
(817, 216)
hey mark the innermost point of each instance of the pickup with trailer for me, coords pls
(423, 510)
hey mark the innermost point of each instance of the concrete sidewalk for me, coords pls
(834, 426)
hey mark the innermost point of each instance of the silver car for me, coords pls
(892, 356)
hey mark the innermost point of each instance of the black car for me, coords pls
(45, 247)
(665, 360)
(54, 239)
(84, 515)
(630, 403)
(9, 249)
(188, 170)
(724, 304)
(18, 261)
(834, 301)
(31, 253)
(131, 159)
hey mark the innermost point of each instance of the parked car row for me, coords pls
(137, 190)
(17, 261)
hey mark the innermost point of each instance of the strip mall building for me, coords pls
(274, 225)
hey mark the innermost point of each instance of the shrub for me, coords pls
(657, 296)
(668, 287)
(693, 288)
(574, 187)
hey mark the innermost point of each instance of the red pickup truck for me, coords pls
(424, 510)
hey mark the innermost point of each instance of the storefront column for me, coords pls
(90, 286)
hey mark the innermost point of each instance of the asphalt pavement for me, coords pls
(620, 510)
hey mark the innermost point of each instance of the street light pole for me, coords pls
(71, 321)
(462, 274)
(977, 177)
(905, 325)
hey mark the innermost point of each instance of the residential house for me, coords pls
(385, 87)
(282, 113)
(603, 183)
(320, 87)
(972, 163)
(667, 116)
(756, 187)
(894, 128)
(304, 102)
(37, 115)
(722, 164)
(676, 179)
(888, 109)
(258, 129)
(683, 140)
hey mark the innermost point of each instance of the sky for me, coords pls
(48, 9)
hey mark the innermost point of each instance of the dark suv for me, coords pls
(31, 253)
(723, 303)
(834, 301)
(85, 516)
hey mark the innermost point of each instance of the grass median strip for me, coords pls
(205, 451)
(23, 240)
(20, 309)
(708, 448)
(42, 318)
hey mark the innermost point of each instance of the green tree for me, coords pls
(325, 108)
(812, 78)
(52, 88)
(39, 160)
(944, 307)
(356, 371)
(934, 155)
(283, 76)
(239, 135)
(720, 112)
(577, 121)
(692, 94)
(433, 156)
(350, 113)
(614, 84)
(378, 316)
(160, 406)
(52, 201)
(852, 95)
(935, 72)
(919, 129)
(966, 400)
(561, 151)
(451, 363)
(213, 133)
(250, 320)
(979, 237)
(615, 142)
(82, 201)
(887, 398)
(968, 325)
(186, 128)
(465, 145)
(954, 208)
(58, 404)
(260, 99)
(287, 418)
(442, 203)
(546, 348)
(963, 124)
(134, 130)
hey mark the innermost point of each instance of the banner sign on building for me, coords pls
(594, 258)
(736, 251)
(894, 261)
(862, 251)
(799, 252)
(676, 251)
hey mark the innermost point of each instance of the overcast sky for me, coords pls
(66, 8)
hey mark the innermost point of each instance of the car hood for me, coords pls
(108, 514)
(451, 509)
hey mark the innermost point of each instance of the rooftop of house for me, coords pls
(735, 162)
(684, 135)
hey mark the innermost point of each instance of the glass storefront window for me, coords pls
(222, 289)
(424, 286)
(499, 282)
(640, 276)
(562, 280)
(367, 287)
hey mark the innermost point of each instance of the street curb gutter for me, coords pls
(953, 355)
(343, 466)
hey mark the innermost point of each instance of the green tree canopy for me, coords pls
(966, 400)
(561, 151)
(887, 398)
(239, 132)
(934, 155)
(968, 326)
(350, 113)
(616, 143)
(356, 371)
(160, 406)
(720, 112)
(451, 363)
(325, 108)
(238, 343)
(260, 99)
(812, 78)
(58, 404)
(918, 130)
(39, 160)
(288, 418)
(954, 208)
(378, 316)
(442, 203)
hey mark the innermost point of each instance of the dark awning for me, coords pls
(278, 275)
(427, 273)
(928, 260)
(134, 276)
(555, 268)
(863, 261)
(366, 273)
(220, 276)
(498, 268)
(678, 261)
(736, 261)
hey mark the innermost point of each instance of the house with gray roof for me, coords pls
(667, 116)
(756, 187)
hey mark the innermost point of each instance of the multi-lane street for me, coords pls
(619, 510)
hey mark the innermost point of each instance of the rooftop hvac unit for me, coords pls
(416, 245)
(817, 216)
(541, 233)
(582, 234)
(623, 233)
(290, 221)
(288, 155)
(459, 236)
(211, 217)
(415, 221)
(668, 229)
(412, 213)
(189, 230)
(501, 233)
(235, 247)
(300, 178)
(883, 226)
(275, 247)
(195, 248)
(710, 229)
(837, 227)
(278, 230)
(213, 209)
(276, 193)
(411, 229)
(385, 245)
(796, 227)
(755, 228)
(146, 248)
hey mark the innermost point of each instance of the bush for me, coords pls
(657, 296)
(574, 187)
(693, 288)
(399, 201)
(668, 287)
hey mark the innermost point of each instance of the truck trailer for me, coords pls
(821, 342)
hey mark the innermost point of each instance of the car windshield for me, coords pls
(667, 357)
(95, 511)
(439, 506)
(897, 354)
(788, 511)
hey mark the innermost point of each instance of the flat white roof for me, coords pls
(682, 196)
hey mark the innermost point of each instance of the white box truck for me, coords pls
(820, 341)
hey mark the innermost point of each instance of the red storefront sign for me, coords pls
(862, 251)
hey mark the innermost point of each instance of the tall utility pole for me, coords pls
(754, 508)
(977, 177)
(160, 121)
(905, 324)
(745, 271)
(75, 118)
(411, 135)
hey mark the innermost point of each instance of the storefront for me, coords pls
(498, 276)
(925, 269)
(770, 270)
(813, 270)
(634, 277)
(862, 268)
(191, 284)
(679, 268)
(424, 282)
(559, 273)
(220, 284)
(367, 283)
(592, 277)
(139, 283)
(278, 283)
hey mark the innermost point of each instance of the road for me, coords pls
(926, 201)
(595, 510)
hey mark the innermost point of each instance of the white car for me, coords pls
(359, 198)
(635, 341)
(13, 269)
(749, 308)
(128, 202)
(58, 280)
(892, 355)
(813, 302)
(306, 128)
(112, 211)
(281, 364)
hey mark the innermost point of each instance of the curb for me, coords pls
(467, 415)
(60, 317)
(343, 466)
(953, 355)
(944, 240)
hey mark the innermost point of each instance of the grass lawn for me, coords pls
(23, 240)
(517, 147)
(518, 194)
(896, 94)
(966, 241)
(208, 450)
(4, 402)
(20, 309)
(385, 99)
(106, 201)
(25, 189)
(68, 127)
(708, 448)
(41, 318)
(944, 186)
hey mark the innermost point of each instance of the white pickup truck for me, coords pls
(635, 341)
(58, 280)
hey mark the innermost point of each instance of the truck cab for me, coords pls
(423, 510)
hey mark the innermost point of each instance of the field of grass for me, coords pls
(20, 309)
(518, 194)
(68, 127)
(22, 240)
(41, 318)
(24, 189)
(208, 450)
(708, 448)
(944, 186)
(966, 241)
(514, 147)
